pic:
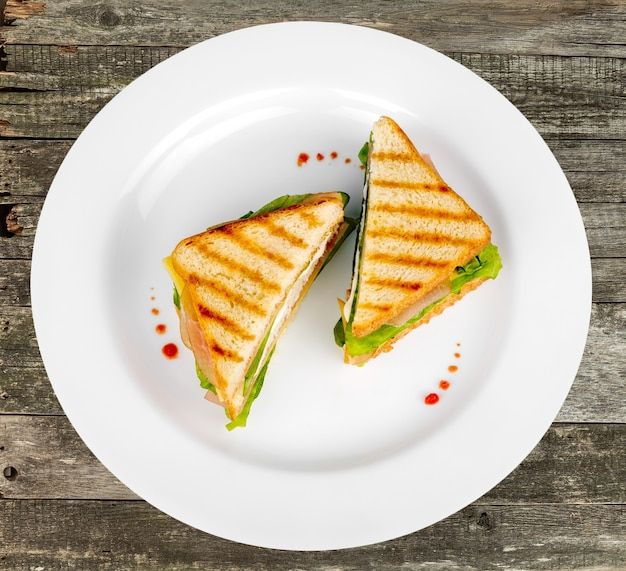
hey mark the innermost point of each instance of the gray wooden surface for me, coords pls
(561, 63)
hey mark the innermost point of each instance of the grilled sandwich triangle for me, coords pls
(415, 232)
(240, 282)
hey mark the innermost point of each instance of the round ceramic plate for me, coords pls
(333, 456)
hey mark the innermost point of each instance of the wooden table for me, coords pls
(561, 63)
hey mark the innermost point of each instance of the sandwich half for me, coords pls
(237, 284)
(420, 247)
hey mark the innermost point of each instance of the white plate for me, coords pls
(334, 456)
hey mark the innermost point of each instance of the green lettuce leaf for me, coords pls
(364, 152)
(277, 203)
(242, 417)
(204, 381)
(255, 362)
(363, 345)
(176, 297)
(345, 198)
(486, 265)
(340, 333)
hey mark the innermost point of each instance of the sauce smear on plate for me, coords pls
(170, 350)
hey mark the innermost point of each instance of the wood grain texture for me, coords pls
(26, 390)
(598, 395)
(53, 534)
(52, 92)
(595, 169)
(51, 462)
(576, 27)
(28, 167)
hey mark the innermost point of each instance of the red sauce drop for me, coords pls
(444, 385)
(303, 159)
(170, 350)
(319, 157)
(362, 167)
(154, 311)
(457, 355)
(333, 155)
(453, 368)
(432, 398)
(347, 160)
(161, 328)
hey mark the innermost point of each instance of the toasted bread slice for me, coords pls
(239, 275)
(417, 230)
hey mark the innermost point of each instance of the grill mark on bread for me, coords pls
(226, 353)
(422, 212)
(406, 260)
(391, 283)
(226, 293)
(226, 322)
(250, 273)
(280, 232)
(310, 218)
(251, 247)
(406, 184)
(429, 237)
(375, 306)
(392, 156)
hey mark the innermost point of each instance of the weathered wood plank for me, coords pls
(609, 276)
(603, 369)
(53, 92)
(605, 224)
(580, 27)
(18, 222)
(50, 461)
(18, 345)
(28, 167)
(598, 393)
(606, 229)
(595, 169)
(115, 535)
(14, 282)
(27, 390)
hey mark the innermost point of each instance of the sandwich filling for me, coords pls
(356, 264)
(194, 339)
(485, 265)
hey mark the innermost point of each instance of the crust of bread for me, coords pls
(417, 230)
(388, 345)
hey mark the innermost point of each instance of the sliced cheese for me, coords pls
(178, 281)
